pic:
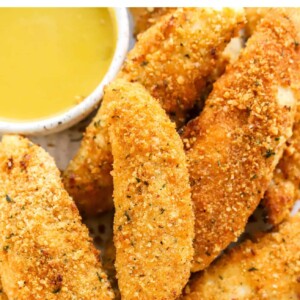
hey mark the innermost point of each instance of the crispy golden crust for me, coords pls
(236, 142)
(87, 178)
(174, 58)
(154, 220)
(266, 269)
(145, 17)
(46, 252)
(254, 16)
(2, 294)
(284, 188)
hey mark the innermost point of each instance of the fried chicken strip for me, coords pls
(145, 17)
(284, 187)
(154, 220)
(283, 190)
(265, 269)
(236, 142)
(175, 59)
(46, 252)
(87, 177)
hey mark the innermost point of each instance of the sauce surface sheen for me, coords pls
(52, 58)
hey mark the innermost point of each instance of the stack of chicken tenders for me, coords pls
(201, 125)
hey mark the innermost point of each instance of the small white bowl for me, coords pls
(83, 109)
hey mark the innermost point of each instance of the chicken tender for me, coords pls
(284, 187)
(87, 177)
(46, 252)
(154, 220)
(236, 142)
(174, 58)
(283, 190)
(145, 17)
(265, 269)
(175, 61)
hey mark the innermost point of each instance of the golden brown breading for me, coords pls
(265, 269)
(87, 177)
(154, 220)
(284, 187)
(174, 58)
(235, 144)
(191, 58)
(2, 294)
(283, 190)
(254, 16)
(145, 17)
(46, 252)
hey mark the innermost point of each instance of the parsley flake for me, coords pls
(8, 199)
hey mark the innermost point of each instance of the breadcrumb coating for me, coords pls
(46, 252)
(283, 190)
(145, 17)
(254, 15)
(154, 220)
(2, 294)
(87, 177)
(174, 58)
(267, 268)
(236, 142)
(176, 41)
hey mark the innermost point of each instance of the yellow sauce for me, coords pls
(51, 58)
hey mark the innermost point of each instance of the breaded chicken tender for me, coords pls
(265, 269)
(145, 17)
(175, 53)
(154, 220)
(46, 252)
(174, 58)
(236, 142)
(284, 187)
(283, 190)
(87, 177)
